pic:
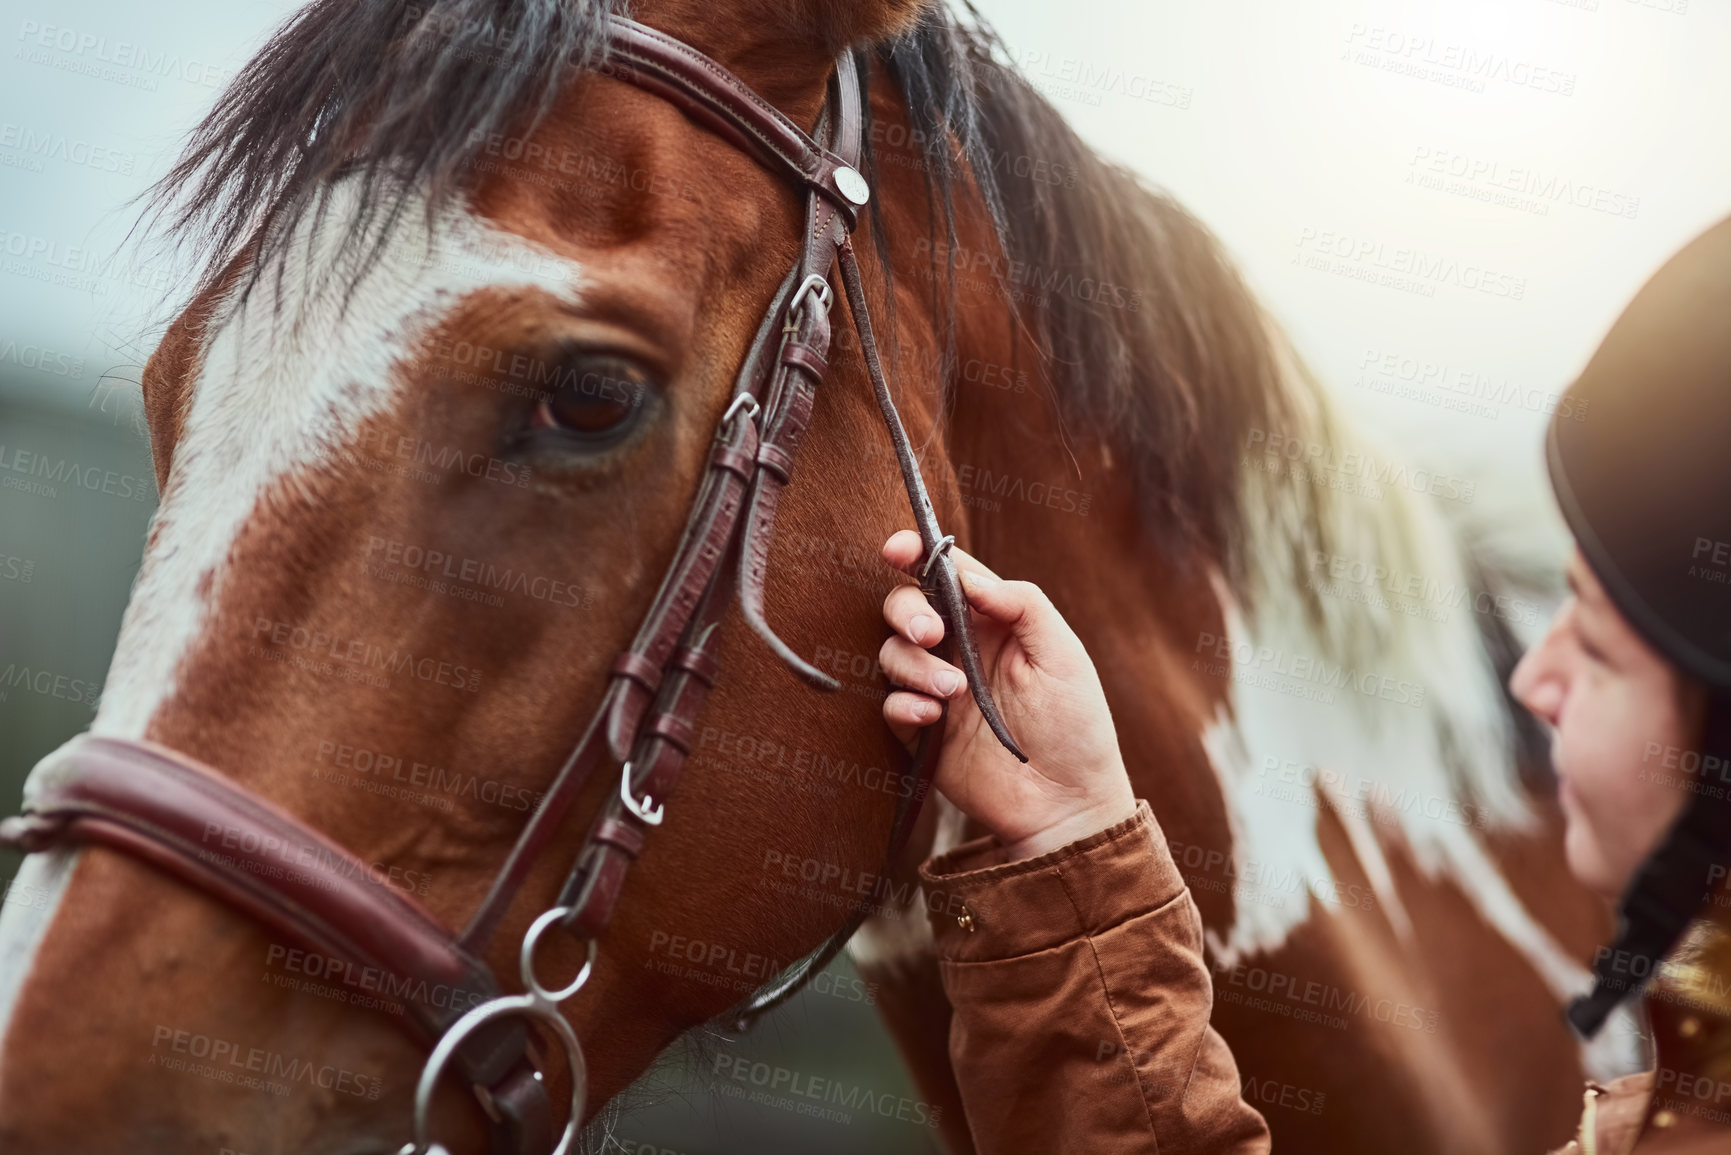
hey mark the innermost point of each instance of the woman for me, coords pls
(1077, 926)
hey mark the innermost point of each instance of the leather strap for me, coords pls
(569, 781)
(715, 515)
(595, 886)
(793, 392)
(924, 766)
(942, 582)
(715, 98)
(187, 820)
(597, 880)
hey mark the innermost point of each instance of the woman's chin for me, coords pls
(1587, 863)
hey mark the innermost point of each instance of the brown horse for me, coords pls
(408, 212)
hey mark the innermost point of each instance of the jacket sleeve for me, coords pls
(1082, 999)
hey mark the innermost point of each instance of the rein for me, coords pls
(189, 821)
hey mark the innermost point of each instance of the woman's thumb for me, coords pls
(1017, 605)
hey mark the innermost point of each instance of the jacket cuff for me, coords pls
(981, 912)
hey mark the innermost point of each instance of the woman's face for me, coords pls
(1621, 720)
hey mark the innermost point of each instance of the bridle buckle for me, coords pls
(742, 401)
(815, 282)
(640, 808)
(944, 543)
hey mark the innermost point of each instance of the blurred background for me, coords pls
(1446, 202)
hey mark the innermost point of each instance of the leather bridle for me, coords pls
(188, 820)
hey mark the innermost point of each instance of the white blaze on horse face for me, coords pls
(30, 905)
(283, 381)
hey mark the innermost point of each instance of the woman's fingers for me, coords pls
(907, 713)
(922, 678)
(906, 607)
(911, 616)
(1013, 603)
(905, 551)
(1021, 606)
(906, 708)
(908, 665)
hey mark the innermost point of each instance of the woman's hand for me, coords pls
(1074, 783)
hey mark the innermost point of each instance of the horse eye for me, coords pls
(593, 398)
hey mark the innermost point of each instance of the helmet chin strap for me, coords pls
(1667, 891)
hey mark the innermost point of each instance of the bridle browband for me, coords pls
(188, 820)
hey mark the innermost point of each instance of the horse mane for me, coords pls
(1180, 365)
(395, 97)
(1194, 378)
(1192, 383)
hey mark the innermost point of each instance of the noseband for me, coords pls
(186, 819)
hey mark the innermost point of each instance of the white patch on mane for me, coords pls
(1396, 718)
(284, 380)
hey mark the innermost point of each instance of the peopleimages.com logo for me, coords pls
(123, 61)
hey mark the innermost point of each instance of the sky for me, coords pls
(1445, 202)
(95, 97)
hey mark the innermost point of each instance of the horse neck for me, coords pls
(1056, 505)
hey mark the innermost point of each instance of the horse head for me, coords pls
(425, 437)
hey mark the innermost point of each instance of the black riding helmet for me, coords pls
(1640, 458)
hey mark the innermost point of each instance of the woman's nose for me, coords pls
(1537, 683)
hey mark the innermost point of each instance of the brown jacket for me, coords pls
(1082, 1000)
